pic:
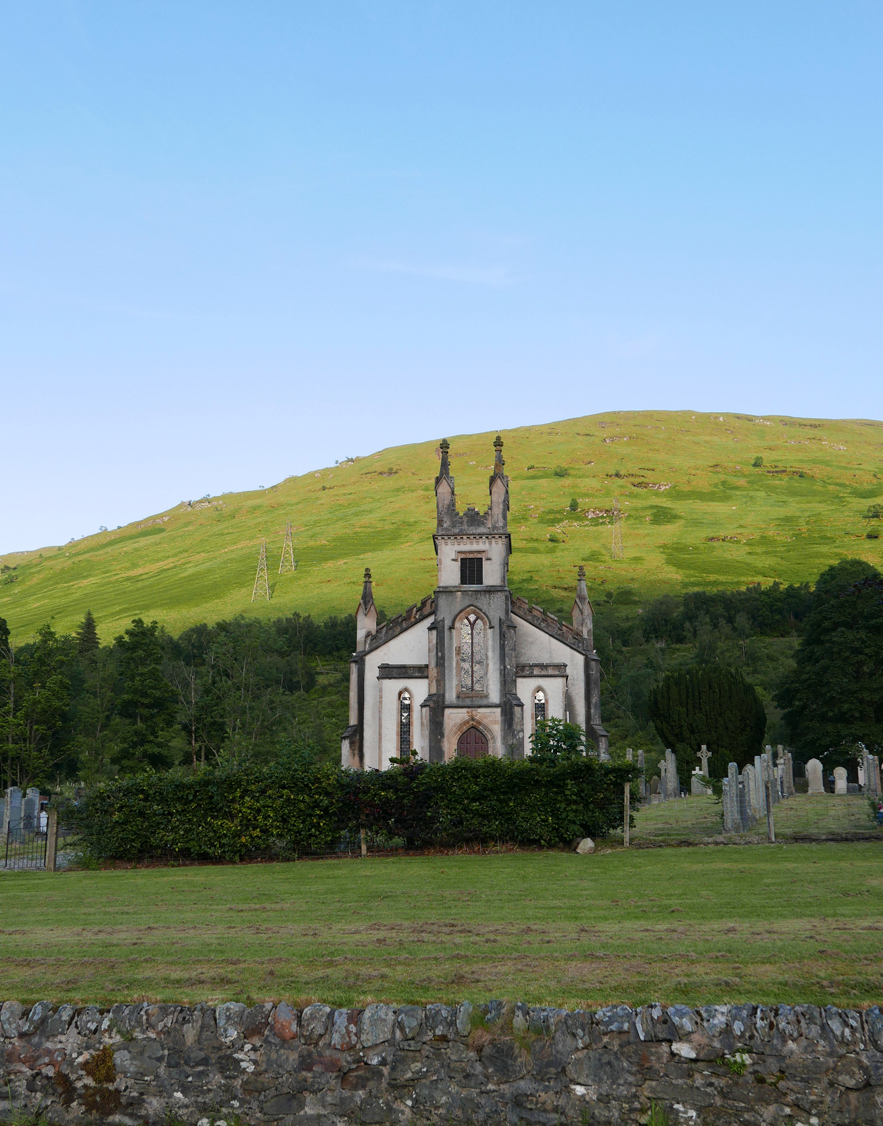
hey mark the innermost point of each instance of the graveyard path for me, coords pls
(789, 923)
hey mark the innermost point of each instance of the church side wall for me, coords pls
(408, 648)
(533, 646)
(555, 688)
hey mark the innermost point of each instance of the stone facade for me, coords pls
(470, 668)
(721, 1065)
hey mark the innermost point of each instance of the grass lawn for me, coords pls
(784, 923)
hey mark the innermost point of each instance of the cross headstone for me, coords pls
(704, 755)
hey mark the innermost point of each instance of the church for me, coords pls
(471, 669)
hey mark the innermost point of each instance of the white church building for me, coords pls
(472, 668)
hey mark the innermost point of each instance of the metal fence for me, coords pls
(28, 847)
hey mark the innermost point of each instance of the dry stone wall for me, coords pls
(160, 1063)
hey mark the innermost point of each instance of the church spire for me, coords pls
(499, 489)
(366, 614)
(445, 497)
(582, 609)
(498, 456)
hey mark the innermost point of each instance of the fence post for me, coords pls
(363, 841)
(626, 807)
(51, 839)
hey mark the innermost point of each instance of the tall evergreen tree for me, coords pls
(146, 700)
(833, 698)
(715, 706)
(87, 636)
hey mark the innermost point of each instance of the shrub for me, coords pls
(560, 471)
(290, 809)
(757, 463)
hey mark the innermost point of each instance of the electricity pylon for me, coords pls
(287, 562)
(262, 579)
(616, 549)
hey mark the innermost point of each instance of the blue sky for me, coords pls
(242, 240)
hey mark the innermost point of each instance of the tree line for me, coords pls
(237, 691)
(806, 671)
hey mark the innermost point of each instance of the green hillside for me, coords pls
(697, 513)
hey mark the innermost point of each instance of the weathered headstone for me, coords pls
(726, 806)
(875, 764)
(770, 789)
(12, 812)
(840, 780)
(750, 800)
(697, 786)
(788, 765)
(733, 798)
(703, 754)
(655, 784)
(30, 810)
(758, 797)
(12, 807)
(815, 777)
(672, 781)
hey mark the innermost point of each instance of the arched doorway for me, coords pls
(472, 744)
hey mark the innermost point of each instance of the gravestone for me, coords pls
(787, 772)
(732, 813)
(814, 777)
(758, 798)
(750, 801)
(875, 763)
(840, 780)
(12, 812)
(703, 755)
(11, 808)
(697, 787)
(770, 789)
(30, 809)
(672, 781)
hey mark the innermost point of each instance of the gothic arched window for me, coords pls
(405, 723)
(473, 656)
(539, 706)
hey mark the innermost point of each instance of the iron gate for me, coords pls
(25, 846)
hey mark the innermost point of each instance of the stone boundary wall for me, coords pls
(162, 1063)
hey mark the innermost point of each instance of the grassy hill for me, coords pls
(697, 513)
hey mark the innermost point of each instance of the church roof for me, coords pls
(549, 624)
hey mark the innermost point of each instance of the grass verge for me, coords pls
(784, 923)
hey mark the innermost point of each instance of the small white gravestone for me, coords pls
(814, 777)
(840, 780)
(585, 846)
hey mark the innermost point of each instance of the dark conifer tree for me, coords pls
(834, 696)
(87, 636)
(715, 706)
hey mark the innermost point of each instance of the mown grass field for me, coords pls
(783, 923)
(697, 514)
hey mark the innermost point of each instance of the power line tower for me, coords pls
(287, 562)
(616, 549)
(262, 579)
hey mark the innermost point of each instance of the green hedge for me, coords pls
(289, 810)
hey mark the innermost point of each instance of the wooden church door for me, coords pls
(472, 744)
